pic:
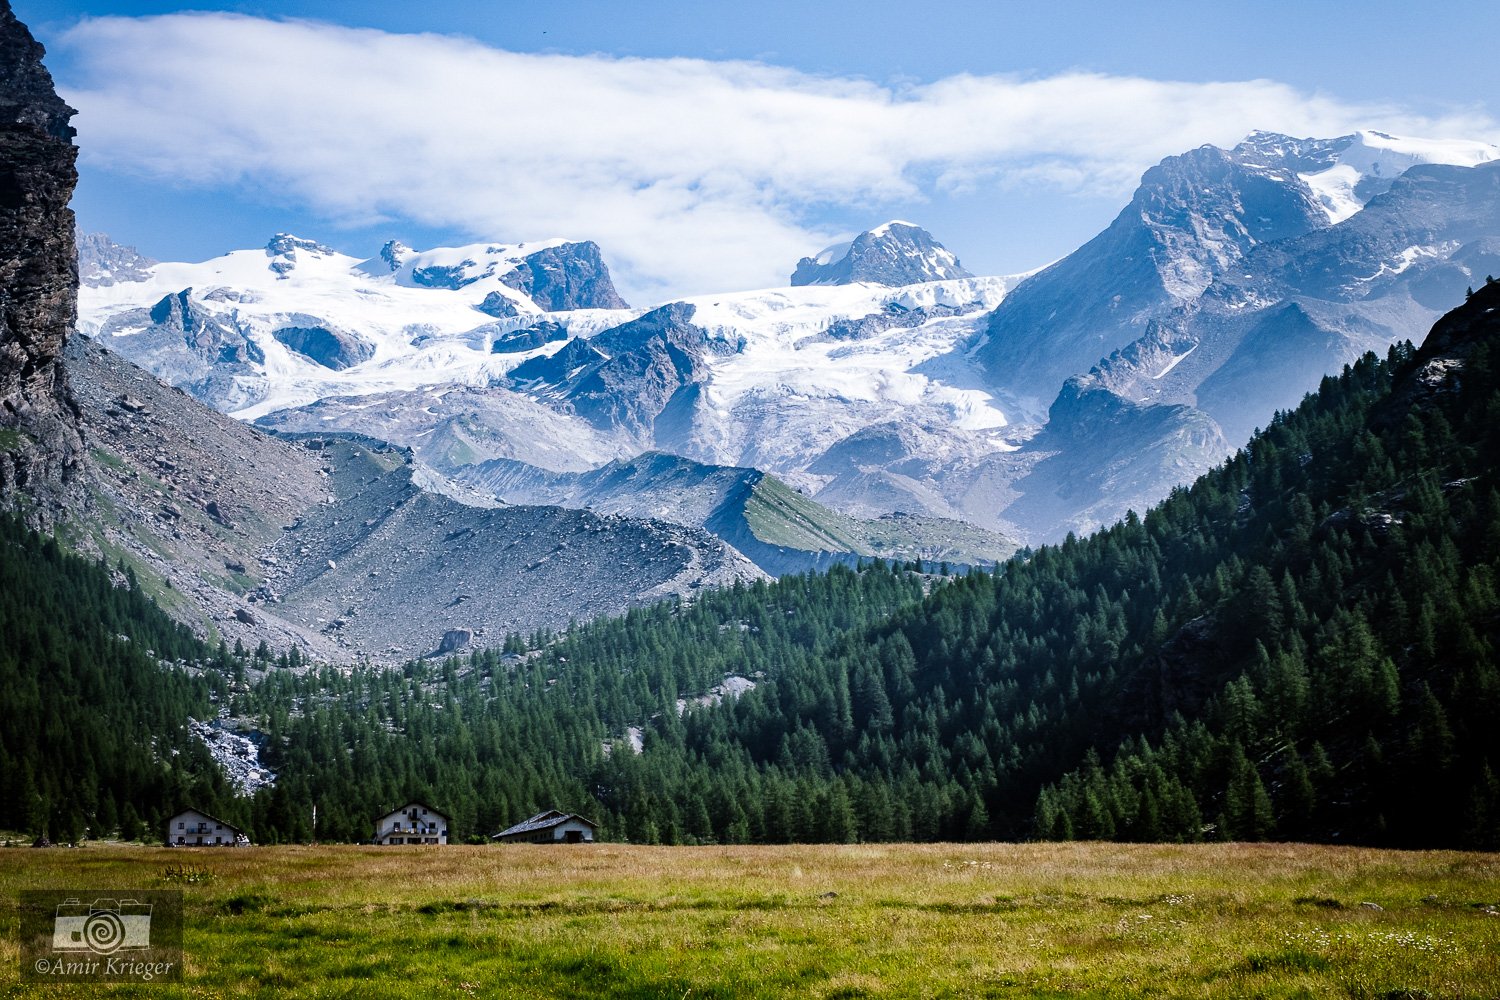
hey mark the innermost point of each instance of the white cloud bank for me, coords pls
(692, 175)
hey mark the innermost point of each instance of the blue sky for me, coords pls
(706, 147)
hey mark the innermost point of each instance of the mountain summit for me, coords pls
(1345, 173)
(897, 253)
(1215, 217)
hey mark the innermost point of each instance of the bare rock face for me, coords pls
(571, 276)
(455, 639)
(895, 254)
(39, 439)
(103, 262)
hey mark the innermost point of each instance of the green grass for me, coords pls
(108, 459)
(1043, 920)
(935, 540)
(779, 515)
(457, 452)
(230, 581)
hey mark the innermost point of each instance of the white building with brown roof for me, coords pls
(413, 823)
(191, 828)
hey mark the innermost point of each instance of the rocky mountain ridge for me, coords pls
(773, 525)
(894, 254)
(1229, 285)
(340, 544)
(1211, 220)
(727, 380)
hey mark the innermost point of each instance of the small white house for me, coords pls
(192, 828)
(413, 823)
(550, 827)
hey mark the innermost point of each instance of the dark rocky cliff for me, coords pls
(571, 276)
(39, 439)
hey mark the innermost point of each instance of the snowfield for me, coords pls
(1345, 188)
(779, 371)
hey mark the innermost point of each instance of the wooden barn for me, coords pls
(550, 827)
(413, 823)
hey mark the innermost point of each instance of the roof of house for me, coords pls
(215, 819)
(543, 821)
(413, 802)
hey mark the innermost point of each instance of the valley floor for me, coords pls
(994, 920)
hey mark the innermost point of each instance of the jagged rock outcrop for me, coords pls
(897, 253)
(39, 438)
(283, 247)
(103, 262)
(532, 337)
(499, 306)
(209, 337)
(394, 253)
(654, 376)
(455, 639)
(641, 378)
(187, 343)
(570, 276)
(893, 316)
(323, 343)
(553, 369)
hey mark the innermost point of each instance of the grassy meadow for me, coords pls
(985, 920)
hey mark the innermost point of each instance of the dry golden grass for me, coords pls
(1002, 920)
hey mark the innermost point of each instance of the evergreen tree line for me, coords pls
(97, 686)
(1301, 645)
(1355, 636)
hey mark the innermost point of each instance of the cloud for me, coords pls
(693, 175)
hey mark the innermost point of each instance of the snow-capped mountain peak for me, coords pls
(395, 253)
(1364, 164)
(885, 227)
(283, 248)
(460, 267)
(894, 253)
(287, 245)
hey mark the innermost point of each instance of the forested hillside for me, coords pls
(1302, 646)
(97, 691)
